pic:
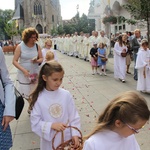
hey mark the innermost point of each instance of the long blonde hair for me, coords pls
(48, 41)
(128, 106)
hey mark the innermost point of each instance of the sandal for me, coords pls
(128, 72)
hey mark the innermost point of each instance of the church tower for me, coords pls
(44, 15)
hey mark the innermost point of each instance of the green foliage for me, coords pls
(5, 16)
(140, 10)
(10, 29)
(77, 24)
(110, 19)
(129, 21)
(60, 30)
(54, 31)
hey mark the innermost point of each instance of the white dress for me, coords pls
(119, 62)
(109, 140)
(52, 107)
(44, 50)
(25, 86)
(143, 59)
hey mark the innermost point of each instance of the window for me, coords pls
(116, 28)
(124, 27)
(52, 18)
(37, 8)
(120, 27)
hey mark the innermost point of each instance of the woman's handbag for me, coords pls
(19, 104)
(104, 59)
(67, 145)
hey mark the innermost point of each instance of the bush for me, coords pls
(110, 19)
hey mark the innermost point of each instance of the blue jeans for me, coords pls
(5, 136)
(135, 70)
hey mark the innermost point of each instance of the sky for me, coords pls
(68, 7)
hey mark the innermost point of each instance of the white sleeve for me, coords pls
(88, 145)
(140, 62)
(116, 49)
(40, 127)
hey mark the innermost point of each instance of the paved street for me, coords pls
(91, 94)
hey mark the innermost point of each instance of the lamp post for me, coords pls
(109, 12)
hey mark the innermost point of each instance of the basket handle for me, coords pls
(62, 136)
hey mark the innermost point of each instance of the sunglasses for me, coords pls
(133, 129)
(32, 37)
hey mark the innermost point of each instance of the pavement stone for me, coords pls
(91, 94)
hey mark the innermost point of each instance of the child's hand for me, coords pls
(76, 143)
(58, 126)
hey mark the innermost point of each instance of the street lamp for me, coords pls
(109, 13)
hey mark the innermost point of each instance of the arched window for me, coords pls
(37, 8)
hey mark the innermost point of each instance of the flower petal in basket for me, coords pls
(68, 145)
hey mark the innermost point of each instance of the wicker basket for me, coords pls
(104, 59)
(67, 145)
(123, 54)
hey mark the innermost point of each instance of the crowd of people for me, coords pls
(96, 48)
(52, 108)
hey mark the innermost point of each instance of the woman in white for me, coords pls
(26, 59)
(119, 61)
(143, 66)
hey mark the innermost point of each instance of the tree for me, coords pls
(5, 17)
(140, 10)
(54, 31)
(60, 30)
(10, 29)
(78, 24)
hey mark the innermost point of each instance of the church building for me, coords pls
(44, 15)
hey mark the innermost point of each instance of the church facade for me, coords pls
(44, 15)
(100, 9)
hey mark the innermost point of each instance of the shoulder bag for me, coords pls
(19, 102)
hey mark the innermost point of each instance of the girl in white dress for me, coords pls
(53, 108)
(117, 124)
(119, 61)
(48, 47)
(143, 66)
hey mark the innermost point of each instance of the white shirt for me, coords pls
(109, 140)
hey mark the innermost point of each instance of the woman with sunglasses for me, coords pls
(117, 124)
